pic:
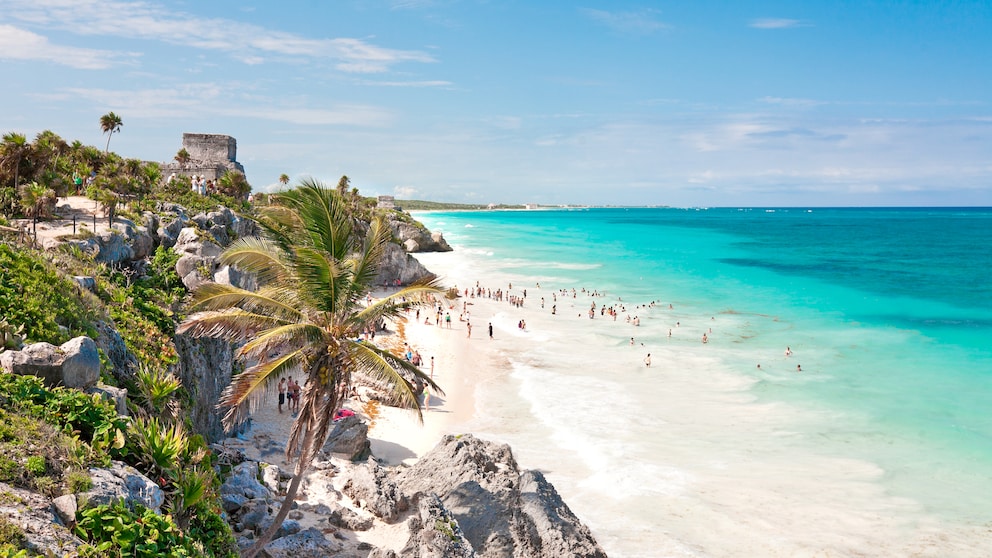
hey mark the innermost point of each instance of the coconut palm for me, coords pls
(284, 179)
(314, 269)
(110, 123)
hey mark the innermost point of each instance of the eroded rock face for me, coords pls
(502, 511)
(398, 266)
(436, 533)
(76, 363)
(205, 368)
(371, 484)
(418, 239)
(122, 482)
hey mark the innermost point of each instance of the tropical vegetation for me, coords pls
(315, 263)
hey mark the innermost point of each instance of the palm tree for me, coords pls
(284, 179)
(110, 123)
(13, 149)
(314, 268)
(182, 157)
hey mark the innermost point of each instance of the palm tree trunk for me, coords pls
(287, 503)
(107, 149)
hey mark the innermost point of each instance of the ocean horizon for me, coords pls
(880, 445)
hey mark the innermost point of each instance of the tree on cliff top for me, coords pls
(110, 123)
(314, 269)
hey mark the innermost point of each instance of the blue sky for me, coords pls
(668, 103)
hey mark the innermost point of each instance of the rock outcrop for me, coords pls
(465, 498)
(123, 482)
(503, 512)
(206, 365)
(417, 238)
(400, 268)
(33, 513)
(75, 364)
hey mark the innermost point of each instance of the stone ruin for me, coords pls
(210, 156)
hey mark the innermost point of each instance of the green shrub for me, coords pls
(35, 295)
(117, 531)
(35, 465)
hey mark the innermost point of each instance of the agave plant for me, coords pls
(156, 393)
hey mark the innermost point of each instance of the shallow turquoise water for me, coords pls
(888, 311)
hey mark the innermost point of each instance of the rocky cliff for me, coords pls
(466, 498)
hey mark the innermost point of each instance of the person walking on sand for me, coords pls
(490, 330)
(647, 360)
(468, 326)
(447, 319)
(282, 393)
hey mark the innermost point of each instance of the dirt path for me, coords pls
(81, 208)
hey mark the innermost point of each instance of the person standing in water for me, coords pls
(647, 360)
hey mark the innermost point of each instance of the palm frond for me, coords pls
(261, 257)
(377, 364)
(217, 296)
(232, 324)
(373, 249)
(277, 339)
(241, 397)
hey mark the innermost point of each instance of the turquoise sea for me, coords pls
(881, 445)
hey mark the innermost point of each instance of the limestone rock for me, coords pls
(81, 364)
(503, 512)
(85, 282)
(349, 438)
(436, 533)
(557, 531)
(371, 485)
(125, 364)
(205, 368)
(348, 519)
(309, 543)
(33, 514)
(65, 509)
(418, 239)
(122, 482)
(243, 480)
(399, 266)
(75, 364)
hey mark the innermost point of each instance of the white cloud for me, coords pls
(204, 100)
(20, 44)
(776, 23)
(643, 22)
(404, 192)
(791, 102)
(246, 42)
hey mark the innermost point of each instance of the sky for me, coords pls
(687, 104)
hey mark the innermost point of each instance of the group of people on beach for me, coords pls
(291, 389)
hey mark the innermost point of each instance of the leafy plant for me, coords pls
(156, 392)
(158, 445)
(118, 531)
